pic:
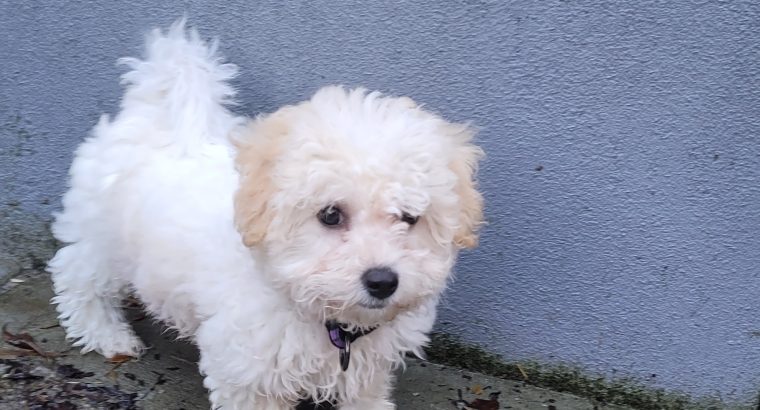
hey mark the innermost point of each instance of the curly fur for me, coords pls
(211, 220)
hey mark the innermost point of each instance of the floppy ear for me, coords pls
(258, 147)
(465, 165)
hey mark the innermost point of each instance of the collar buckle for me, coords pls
(342, 339)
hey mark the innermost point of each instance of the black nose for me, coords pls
(380, 282)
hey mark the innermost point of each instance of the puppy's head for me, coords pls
(357, 203)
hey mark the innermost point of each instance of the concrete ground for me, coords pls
(166, 377)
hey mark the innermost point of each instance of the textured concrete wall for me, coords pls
(623, 177)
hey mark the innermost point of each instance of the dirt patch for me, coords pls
(30, 383)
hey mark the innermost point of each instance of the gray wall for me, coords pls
(623, 170)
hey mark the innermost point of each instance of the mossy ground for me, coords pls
(450, 351)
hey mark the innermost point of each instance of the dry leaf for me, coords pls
(14, 353)
(25, 341)
(15, 338)
(119, 359)
(112, 375)
(477, 389)
(480, 404)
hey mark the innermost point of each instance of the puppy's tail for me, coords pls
(181, 87)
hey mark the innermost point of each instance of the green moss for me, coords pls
(449, 351)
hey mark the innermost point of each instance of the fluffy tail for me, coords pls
(181, 86)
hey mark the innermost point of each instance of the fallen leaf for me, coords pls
(119, 359)
(14, 353)
(25, 341)
(15, 338)
(112, 375)
(477, 389)
(480, 404)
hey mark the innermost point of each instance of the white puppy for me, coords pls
(304, 252)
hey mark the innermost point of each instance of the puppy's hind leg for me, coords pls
(88, 298)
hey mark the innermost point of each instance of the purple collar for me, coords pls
(342, 339)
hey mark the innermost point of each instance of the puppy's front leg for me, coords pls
(373, 397)
(238, 368)
(241, 398)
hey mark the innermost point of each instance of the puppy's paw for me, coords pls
(227, 397)
(112, 344)
(126, 346)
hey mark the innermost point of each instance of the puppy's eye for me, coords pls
(411, 220)
(331, 216)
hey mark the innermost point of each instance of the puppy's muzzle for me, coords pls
(380, 282)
